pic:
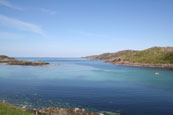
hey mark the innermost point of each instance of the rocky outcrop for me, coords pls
(8, 109)
(21, 62)
(140, 64)
(6, 59)
(13, 61)
(63, 111)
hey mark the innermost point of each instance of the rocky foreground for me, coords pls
(161, 57)
(7, 109)
(63, 111)
(13, 61)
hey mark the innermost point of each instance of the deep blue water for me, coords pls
(93, 85)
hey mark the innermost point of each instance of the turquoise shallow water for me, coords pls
(94, 85)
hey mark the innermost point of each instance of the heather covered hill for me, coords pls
(112, 55)
(152, 57)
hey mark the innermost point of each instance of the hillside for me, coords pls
(155, 55)
(111, 55)
(152, 57)
(6, 109)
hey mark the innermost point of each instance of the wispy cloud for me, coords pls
(20, 25)
(9, 5)
(51, 12)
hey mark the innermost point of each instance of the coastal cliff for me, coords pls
(152, 57)
(13, 61)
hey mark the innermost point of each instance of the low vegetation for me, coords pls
(6, 109)
(155, 55)
(152, 57)
(111, 55)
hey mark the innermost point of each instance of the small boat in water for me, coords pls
(156, 73)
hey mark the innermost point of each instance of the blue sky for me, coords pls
(74, 28)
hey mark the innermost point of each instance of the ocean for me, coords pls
(90, 84)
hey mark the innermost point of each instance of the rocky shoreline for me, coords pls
(54, 110)
(46, 111)
(63, 111)
(13, 61)
(126, 63)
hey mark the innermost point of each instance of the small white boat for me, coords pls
(156, 73)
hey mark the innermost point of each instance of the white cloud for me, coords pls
(20, 25)
(51, 12)
(9, 5)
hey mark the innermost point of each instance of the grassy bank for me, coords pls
(6, 109)
(155, 55)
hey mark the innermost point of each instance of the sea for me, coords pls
(90, 84)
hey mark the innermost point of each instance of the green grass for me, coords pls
(6, 109)
(155, 55)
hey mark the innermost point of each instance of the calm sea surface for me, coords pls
(93, 85)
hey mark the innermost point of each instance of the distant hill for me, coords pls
(112, 55)
(152, 57)
(155, 55)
